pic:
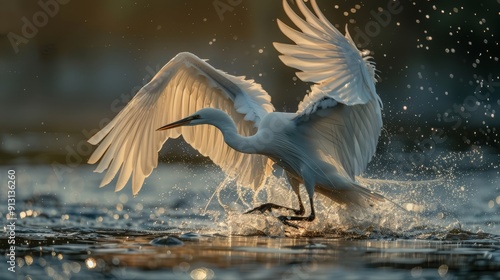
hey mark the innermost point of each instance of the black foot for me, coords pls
(269, 206)
(286, 220)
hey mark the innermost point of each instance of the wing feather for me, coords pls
(342, 114)
(345, 136)
(129, 144)
(320, 47)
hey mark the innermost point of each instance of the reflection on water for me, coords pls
(70, 229)
(124, 254)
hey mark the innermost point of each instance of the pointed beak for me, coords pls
(178, 123)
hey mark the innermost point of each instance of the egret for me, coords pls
(323, 146)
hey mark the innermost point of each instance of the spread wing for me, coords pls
(342, 114)
(186, 84)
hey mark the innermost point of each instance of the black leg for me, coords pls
(295, 186)
(301, 210)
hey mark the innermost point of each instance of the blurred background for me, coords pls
(67, 67)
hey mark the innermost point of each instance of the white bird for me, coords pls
(323, 146)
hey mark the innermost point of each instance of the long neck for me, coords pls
(244, 144)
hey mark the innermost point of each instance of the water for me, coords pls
(67, 228)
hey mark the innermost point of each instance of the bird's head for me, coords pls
(203, 116)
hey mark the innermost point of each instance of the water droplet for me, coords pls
(91, 263)
(491, 204)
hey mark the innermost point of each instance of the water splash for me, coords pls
(423, 209)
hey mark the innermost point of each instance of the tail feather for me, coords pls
(355, 194)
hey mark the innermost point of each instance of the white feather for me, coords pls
(184, 85)
(327, 58)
